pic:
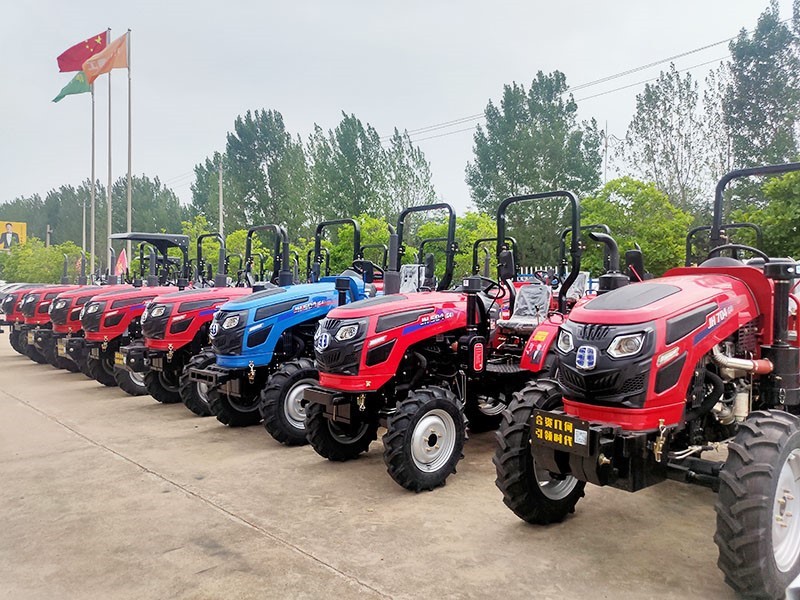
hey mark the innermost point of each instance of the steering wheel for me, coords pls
(756, 251)
(542, 276)
(555, 281)
(501, 291)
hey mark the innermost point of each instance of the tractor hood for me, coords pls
(670, 297)
(397, 303)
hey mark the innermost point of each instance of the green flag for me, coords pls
(77, 85)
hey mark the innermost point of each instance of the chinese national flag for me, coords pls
(115, 56)
(72, 59)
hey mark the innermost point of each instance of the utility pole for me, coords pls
(221, 227)
(605, 153)
(47, 233)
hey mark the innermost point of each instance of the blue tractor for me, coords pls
(274, 327)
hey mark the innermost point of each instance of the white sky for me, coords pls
(197, 65)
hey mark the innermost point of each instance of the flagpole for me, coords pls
(91, 219)
(108, 190)
(129, 142)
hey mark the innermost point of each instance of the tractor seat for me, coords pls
(530, 309)
(411, 278)
(578, 288)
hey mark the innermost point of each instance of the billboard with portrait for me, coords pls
(12, 233)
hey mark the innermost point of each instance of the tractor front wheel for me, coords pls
(424, 439)
(101, 370)
(129, 382)
(164, 386)
(758, 506)
(532, 493)
(338, 441)
(282, 401)
(194, 393)
(14, 338)
(235, 411)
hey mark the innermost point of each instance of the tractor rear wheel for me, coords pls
(758, 506)
(483, 413)
(164, 386)
(240, 411)
(337, 441)
(101, 370)
(533, 494)
(281, 403)
(129, 382)
(193, 393)
(424, 439)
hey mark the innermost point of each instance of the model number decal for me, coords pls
(311, 305)
(718, 317)
(435, 318)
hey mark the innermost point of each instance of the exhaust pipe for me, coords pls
(760, 366)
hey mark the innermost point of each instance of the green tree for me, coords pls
(665, 142)
(33, 262)
(533, 142)
(638, 212)
(469, 228)
(762, 100)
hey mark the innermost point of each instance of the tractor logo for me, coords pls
(586, 358)
(213, 330)
(322, 342)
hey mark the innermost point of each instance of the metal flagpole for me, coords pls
(91, 219)
(129, 141)
(221, 228)
(108, 190)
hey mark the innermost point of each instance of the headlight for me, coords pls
(626, 345)
(159, 311)
(565, 341)
(92, 308)
(59, 304)
(230, 322)
(348, 332)
(28, 299)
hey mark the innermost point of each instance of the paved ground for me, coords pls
(108, 496)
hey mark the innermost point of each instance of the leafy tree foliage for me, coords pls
(35, 263)
(638, 212)
(533, 142)
(762, 99)
(665, 142)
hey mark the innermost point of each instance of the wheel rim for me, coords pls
(243, 404)
(137, 379)
(344, 437)
(433, 440)
(786, 521)
(169, 381)
(551, 487)
(202, 392)
(293, 408)
(492, 408)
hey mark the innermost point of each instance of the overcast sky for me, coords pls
(412, 64)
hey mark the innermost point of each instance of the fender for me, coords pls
(539, 344)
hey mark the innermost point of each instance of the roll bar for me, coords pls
(384, 249)
(562, 250)
(281, 264)
(421, 250)
(391, 280)
(575, 246)
(326, 258)
(716, 224)
(476, 246)
(163, 242)
(694, 231)
(220, 278)
(318, 243)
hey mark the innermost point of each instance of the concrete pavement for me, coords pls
(108, 496)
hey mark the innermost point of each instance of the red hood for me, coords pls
(384, 305)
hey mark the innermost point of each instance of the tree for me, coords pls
(638, 212)
(533, 142)
(665, 141)
(268, 175)
(778, 216)
(762, 100)
(469, 228)
(33, 262)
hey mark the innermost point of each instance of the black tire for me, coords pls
(335, 441)
(238, 412)
(193, 394)
(753, 496)
(480, 419)
(280, 408)
(101, 370)
(50, 353)
(131, 383)
(83, 366)
(423, 462)
(16, 342)
(164, 386)
(516, 473)
(36, 356)
(67, 365)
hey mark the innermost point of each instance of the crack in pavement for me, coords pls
(214, 505)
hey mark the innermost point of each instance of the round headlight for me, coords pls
(626, 345)
(565, 341)
(230, 322)
(348, 332)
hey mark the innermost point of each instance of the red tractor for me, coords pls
(424, 364)
(113, 319)
(653, 380)
(13, 317)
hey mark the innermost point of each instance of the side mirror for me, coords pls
(430, 266)
(506, 269)
(368, 270)
(634, 259)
